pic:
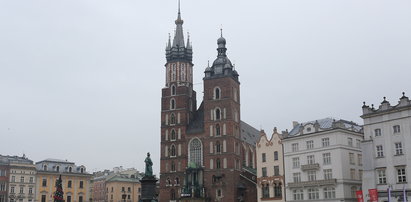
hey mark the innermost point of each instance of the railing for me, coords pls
(312, 183)
(314, 166)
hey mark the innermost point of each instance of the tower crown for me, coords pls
(222, 66)
(178, 50)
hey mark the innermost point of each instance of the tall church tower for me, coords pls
(178, 103)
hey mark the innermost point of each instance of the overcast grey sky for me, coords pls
(81, 79)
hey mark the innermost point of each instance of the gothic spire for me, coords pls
(179, 36)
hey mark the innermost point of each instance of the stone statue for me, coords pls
(149, 164)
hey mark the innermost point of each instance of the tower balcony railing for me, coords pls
(312, 183)
(314, 166)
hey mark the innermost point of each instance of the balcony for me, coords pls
(314, 166)
(312, 183)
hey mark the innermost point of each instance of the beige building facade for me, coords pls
(270, 168)
(123, 188)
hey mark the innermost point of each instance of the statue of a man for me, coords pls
(149, 164)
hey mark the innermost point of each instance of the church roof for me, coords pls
(197, 124)
(249, 134)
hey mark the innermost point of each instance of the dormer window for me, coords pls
(58, 168)
(45, 167)
(81, 170)
(70, 169)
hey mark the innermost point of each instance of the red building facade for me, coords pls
(207, 153)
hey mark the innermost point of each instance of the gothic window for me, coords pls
(172, 104)
(217, 93)
(173, 73)
(217, 114)
(173, 135)
(173, 166)
(218, 163)
(196, 152)
(173, 194)
(172, 119)
(173, 90)
(217, 130)
(173, 151)
(183, 72)
(218, 147)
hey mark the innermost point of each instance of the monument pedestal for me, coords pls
(148, 189)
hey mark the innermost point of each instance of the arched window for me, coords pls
(217, 93)
(183, 72)
(265, 190)
(45, 167)
(277, 189)
(173, 194)
(177, 181)
(173, 150)
(217, 147)
(217, 114)
(172, 118)
(217, 130)
(195, 152)
(81, 170)
(58, 168)
(218, 163)
(172, 104)
(70, 169)
(168, 181)
(173, 135)
(173, 73)
(173, 166)
(173, 90)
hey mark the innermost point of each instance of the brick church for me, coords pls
(207, 152)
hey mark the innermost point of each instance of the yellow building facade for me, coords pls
(75, 181)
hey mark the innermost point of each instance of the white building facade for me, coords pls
(270, 168)
(387, 149)
(323, 161)
(22, 182)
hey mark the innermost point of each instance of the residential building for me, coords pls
(123, 187)
(76, 180)
(207, 153)
(386, 149)
(21, 179)
(270, 168)
(4, 178)
(323, 160)
(104, 180)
